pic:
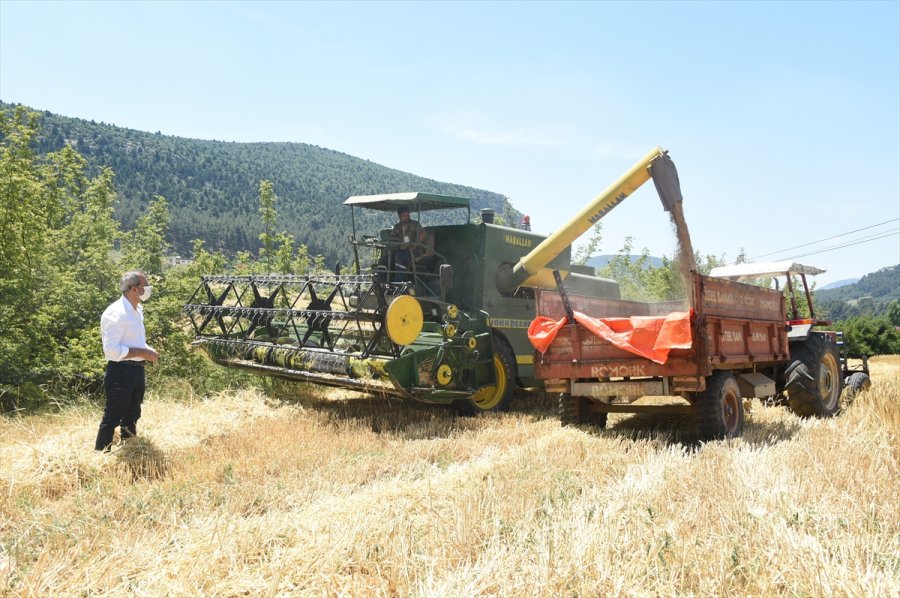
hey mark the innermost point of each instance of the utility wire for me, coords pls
(866, 240)
(821, 240)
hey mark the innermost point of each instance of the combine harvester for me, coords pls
(452, 331)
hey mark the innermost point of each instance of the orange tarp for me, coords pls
(647, 336)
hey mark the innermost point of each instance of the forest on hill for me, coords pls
(212, 186)
(872, 294)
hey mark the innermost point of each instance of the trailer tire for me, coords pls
(814, 377)
(720, 408)
(857, 382)
(495, 397)
(574, 411)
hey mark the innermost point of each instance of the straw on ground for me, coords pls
(341, 495)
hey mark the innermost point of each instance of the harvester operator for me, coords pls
(414, 243)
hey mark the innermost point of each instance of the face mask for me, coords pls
(146, 294)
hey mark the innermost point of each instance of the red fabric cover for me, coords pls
(651, 337)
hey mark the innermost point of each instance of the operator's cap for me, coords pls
(402, 209)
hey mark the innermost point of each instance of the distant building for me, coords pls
(177, 260)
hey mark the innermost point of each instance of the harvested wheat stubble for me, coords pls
(321, 501)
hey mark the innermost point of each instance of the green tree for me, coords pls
(592, 247)
(145, 247)
(168, 327)
(893, 313)
(268, 216)
(56, 235)
(870, 335)
(639, 280)
(284, 255)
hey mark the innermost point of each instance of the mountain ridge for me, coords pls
(212, 186)
(840, 283)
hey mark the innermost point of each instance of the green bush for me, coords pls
(870, 335)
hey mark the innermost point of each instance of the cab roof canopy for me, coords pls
(422, 202)
(762, 269)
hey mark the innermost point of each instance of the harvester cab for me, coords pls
(397, 256)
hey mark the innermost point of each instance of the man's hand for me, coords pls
(150, 355)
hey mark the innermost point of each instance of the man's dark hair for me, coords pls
(402, 209)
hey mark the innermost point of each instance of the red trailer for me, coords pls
(728, 341)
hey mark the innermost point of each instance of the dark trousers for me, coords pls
(124, 386)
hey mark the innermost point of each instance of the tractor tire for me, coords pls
(814, 377)
(574, 411)
(720, 408)
(495, 397)
(857, 383)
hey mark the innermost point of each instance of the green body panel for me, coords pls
(477, 252)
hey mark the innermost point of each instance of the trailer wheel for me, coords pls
(576, 410)
(495, 397)
(857, 382)
(814, 377)
(720, 409)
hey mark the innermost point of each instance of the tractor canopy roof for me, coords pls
(416, 202)
(763, 269)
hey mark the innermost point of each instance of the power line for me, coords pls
(821, 240)
(866, 240)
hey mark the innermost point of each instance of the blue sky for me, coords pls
(783, 118)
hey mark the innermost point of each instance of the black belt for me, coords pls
(136, 364)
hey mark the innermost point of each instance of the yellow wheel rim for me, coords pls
(452, 311)
(450, 330)
(404, 320)
(444, 375)
(488, 397)
(472, 342)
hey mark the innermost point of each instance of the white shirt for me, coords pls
(122, 328)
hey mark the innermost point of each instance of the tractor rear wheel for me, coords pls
(576, 410)
(497, 396)
(814, 377)
(720, 409)
(857, 382)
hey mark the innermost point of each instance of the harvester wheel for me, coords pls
(857, 382)
(574, 411)
(720, 409)
(814, 377)
(495, 397)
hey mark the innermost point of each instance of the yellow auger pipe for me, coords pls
(529, 267)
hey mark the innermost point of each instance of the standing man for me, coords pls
(126, 350)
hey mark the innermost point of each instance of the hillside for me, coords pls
(840, 283)
(871, 294)
(212, 186)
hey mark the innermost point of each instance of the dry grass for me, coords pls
(354, 496)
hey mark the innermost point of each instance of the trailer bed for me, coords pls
(734, 326)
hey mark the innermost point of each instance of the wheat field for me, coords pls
(338, 494)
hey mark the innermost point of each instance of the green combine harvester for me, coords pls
(451, 331)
